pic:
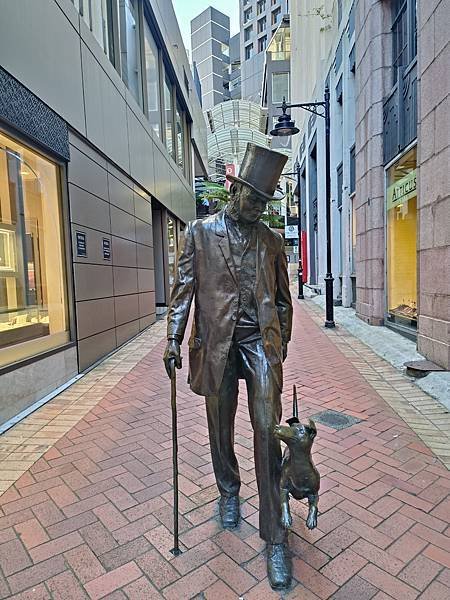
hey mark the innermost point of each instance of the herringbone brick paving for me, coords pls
(92, 518)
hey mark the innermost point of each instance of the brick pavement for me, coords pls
(92, 517)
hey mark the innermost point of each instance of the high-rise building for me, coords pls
(259, 19)
(210, 41)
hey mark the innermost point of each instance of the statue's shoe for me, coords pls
(279, 566)
(229, 511)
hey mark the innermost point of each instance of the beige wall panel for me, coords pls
(146, 280)
(145, 257)
(142, 208)
(93, 281)
(95, 316)
(87, 174)
(53, 72)
(120, 194)
(106, 115)
(162, 182)
(144, 233)
(95, 347)
(146, 304)
(125, 281)
(122, 224)
(126, 332)
(94, 241)
(141, 153)
(88, 210)
(146, 322)
(127, 308)
(124, 252)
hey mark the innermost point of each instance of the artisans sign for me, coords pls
(402, 190)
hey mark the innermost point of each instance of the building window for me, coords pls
(401, 241)
(168, 116)
(248, 14)
(33, 298)
(274, 2)
(339, 184)
(280, 87)
(260, 7)
(352, 170)
(97, 14)
(339, 10)
(247, 33)
(262, 43)
(248, 51)
(404, 34)
(180, 128)
(225, 49)
(262, 25)
(276, 16)
(152, 80)
(129, 46)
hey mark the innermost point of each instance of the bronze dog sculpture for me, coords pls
(299, 476)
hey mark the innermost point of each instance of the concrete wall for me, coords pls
(434, 181)
(373, 82)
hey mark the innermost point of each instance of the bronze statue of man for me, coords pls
(236, 269)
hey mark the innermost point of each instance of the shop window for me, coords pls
(180, 128)
(172, 249)
(353, 254)
(168, 116)
(152, 80)
(280, 87)
(33, 301)
(401, 238)
(129, 46)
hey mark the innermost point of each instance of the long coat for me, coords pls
(205, 269)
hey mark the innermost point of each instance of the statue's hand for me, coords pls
(173, 352)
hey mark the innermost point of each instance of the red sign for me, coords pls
(229, 170)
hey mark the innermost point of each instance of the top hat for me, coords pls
(260, 170)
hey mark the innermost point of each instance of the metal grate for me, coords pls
(334, 419)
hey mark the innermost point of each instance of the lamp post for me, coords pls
(286, 126)
(299, 226)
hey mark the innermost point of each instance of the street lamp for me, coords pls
(286, 126)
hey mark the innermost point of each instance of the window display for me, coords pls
(401, 235)
(33, 304)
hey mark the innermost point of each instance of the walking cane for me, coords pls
(173, 401)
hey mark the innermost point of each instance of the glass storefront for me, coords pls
(33, 301)
(172, 249)
(401, 242)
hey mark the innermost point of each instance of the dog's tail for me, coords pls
(294, 418)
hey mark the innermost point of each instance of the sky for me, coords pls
(186, 10)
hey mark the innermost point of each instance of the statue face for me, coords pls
(251, 205)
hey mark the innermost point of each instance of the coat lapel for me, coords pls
(224, 243)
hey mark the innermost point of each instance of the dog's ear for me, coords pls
(312, 429)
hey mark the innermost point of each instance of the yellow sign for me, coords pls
(402, 190)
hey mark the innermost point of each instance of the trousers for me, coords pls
(247, 360)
